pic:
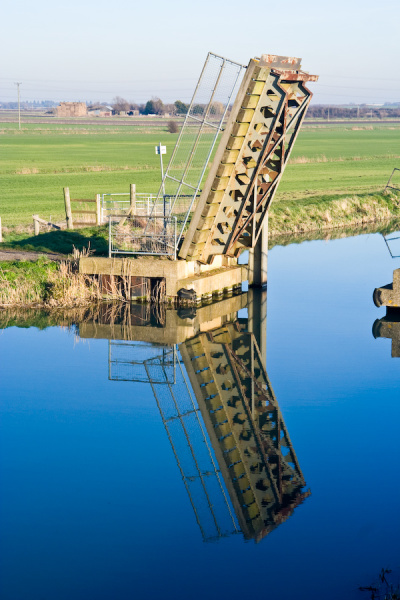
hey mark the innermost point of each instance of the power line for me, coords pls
(18, 83)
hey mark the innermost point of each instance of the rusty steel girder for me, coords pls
(249, 163)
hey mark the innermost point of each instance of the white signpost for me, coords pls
(162, 150)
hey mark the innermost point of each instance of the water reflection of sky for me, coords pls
(92, 502)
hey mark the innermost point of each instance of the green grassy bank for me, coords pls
(327, 212)
(327, 161)
(313, 215)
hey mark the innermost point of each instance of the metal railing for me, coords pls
(144, 205)
(393, 187)
(138, 234)
(204, 122)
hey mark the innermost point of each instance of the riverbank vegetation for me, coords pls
(329, 212)
(45, 283)
(56, 286)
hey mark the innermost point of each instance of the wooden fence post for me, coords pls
(98, 210)
(68, 213)
(132, 197)
(36, 225)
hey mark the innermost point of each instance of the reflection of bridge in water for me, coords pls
(226, 430)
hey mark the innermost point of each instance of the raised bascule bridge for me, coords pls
(216, 192)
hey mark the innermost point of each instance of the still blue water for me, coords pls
(93, 503)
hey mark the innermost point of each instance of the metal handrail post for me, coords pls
(109, 236)
(175, 248)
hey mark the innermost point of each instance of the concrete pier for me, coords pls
(143, 273)
(389, 295)
(258, 259)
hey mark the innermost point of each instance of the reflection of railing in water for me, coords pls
(388, 245)
(200, 474)
(123, 367)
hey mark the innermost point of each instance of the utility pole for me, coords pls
(18, 83)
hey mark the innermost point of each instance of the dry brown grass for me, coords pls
(27, 171)
(60, 286)
(306, 159)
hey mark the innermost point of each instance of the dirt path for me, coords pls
(31, 256)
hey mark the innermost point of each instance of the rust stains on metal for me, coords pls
(274, 60)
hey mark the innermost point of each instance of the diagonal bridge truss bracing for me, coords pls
(254, 149)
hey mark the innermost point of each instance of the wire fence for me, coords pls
(144, 204)
(142, 235)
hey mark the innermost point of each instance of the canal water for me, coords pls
(247, 448)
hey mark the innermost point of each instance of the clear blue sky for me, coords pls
(95, 50)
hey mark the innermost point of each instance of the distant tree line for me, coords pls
(322, 111)
(155, 106)
(29, 105)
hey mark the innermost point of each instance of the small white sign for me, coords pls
(161, 149)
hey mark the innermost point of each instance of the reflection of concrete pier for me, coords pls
(158, 325)
(207, 370)
(389, 327)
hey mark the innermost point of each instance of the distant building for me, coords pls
(100, 111)
(71, 109)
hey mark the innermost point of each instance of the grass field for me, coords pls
(40, 160)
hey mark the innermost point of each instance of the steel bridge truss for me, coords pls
(263, 125)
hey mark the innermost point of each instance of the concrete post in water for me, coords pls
(258, 258)
(36, 225)
(132, 198)
(98, 210)
(257, 319)
(68, 212)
